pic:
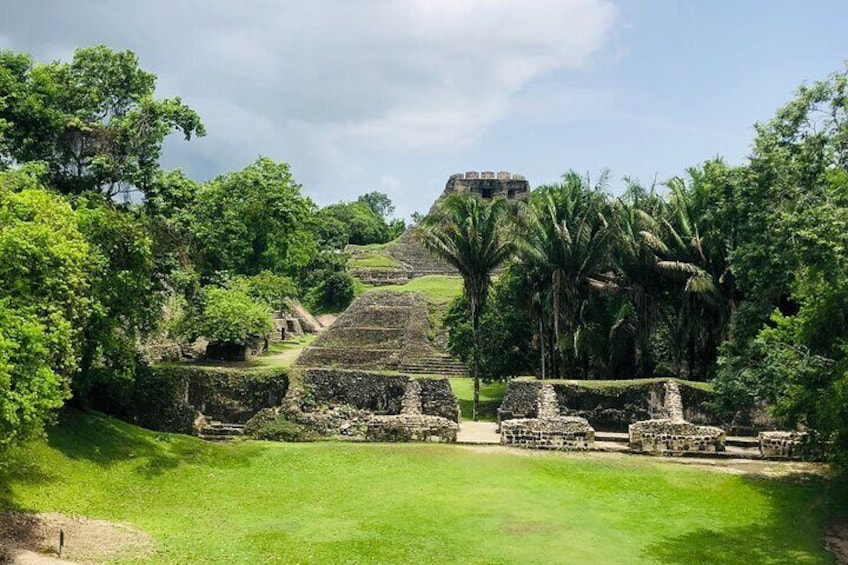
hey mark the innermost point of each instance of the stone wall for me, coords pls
(608, 406)
(168, 397)
(379, 393)
(559, 434)
(783, 445)
(410, 427)
(672, 437)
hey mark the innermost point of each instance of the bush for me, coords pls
(268, 425)
(230, 315)
(334, 294)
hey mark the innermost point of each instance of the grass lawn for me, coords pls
(491, 396)
(372, 261)
(254, 502)
(437, 289)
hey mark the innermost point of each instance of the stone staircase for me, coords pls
(547, 406)
(221, 431)
(434, 365)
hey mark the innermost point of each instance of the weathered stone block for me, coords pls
(411, 427)
(783, 445)
(671, 437)
(562, 433)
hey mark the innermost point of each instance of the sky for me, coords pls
(397, 95)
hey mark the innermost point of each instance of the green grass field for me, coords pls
(491, 396)
(437, 289)
(254, 502)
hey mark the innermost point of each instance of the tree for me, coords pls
(468, 233)
(565, 245)
(93, 121)
(362, 224)
(231, 316)
(379, 203)
(44, 303)
(253, 220)
(125, 296)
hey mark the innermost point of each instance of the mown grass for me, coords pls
(372, 261)
(437, 289)
(491, 396)
(256, 502)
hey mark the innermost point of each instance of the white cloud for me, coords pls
(319, 83)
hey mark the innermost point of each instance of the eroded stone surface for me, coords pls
(783, 445)
(411, 427)
(562, 433)
(667, 436)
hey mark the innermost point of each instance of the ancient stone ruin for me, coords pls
(489, 185)
(783, 445)
(411, 424)
(549, 430)
(673, 435)
(411, 260)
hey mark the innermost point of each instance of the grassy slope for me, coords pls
(437, 289)
(358, 503)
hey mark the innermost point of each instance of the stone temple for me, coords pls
(487, 184)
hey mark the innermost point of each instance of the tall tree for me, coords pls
(94, 121)
(469, 234)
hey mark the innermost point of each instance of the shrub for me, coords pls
(232, 316)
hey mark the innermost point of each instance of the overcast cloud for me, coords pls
(395, 95)
(335, 87)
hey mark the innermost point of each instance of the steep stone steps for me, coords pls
(435, 366)
(221, 431)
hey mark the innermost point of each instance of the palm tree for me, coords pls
(566, 242)
(468, 233)
(694, 255)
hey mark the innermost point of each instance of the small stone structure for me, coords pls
(673, 437)
(219, 351)
(550, 430)
(783, 445)
(489, 185)
(411, 424)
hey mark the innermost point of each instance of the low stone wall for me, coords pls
(562, 433)
(168, 397)
(379, 393)
(783, 445)
(411, 427)
(614, 405)
(669, 437)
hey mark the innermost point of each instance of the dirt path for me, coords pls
(478, 433)
(33, 539)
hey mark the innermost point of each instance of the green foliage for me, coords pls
(30, 389)
(267, 288)
(253, 220)
(379, 203)
(333, 294)
(43, 304)
(230, 315)
(509, 349)
(468, 233)
(93, 121)
(125, 305)
(362, 225)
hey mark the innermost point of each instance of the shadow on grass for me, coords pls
(792, 533)
(488, 409)
(105, 441)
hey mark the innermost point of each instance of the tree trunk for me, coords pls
(542, 345)
(475, 368)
